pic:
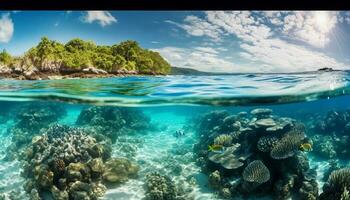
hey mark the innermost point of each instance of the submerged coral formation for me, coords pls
(337, 186)
(261, 151)
(160, 187)
(112, 122)
(256, 172)
(70, 164)
(29, 121)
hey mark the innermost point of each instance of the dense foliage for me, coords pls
(78, 54)
(5, 58)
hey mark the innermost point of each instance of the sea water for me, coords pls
(157, 130)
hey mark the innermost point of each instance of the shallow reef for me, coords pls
(30, 119)
(161, 187)
(259, 155)
(112, 122)
(67, 163)
(330, 134)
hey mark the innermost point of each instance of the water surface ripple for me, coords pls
(239, 89)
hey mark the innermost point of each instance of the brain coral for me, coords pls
(289, 144)
(256, 172)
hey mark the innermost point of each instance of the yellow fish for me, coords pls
(216, 147)
(305, 147)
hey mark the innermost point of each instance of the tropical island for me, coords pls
(82, 59)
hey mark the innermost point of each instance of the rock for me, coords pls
(94, 70)
(96, 165)
(5, 69)
(59, 195)
(215, 179)
(119, 170)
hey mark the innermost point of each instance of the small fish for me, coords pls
(179, 133)
(305, 147)
(216, 148)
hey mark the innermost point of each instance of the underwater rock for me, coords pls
(119, 170)
(159, 187)
(256, 172)
(337, 185)
(215, 180)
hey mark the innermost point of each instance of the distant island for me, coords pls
(326, 69)
(82, 59)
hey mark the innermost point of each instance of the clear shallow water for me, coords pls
(161, 106)
(240, 89)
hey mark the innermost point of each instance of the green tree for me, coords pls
(5, 57)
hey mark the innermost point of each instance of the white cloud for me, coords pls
(262, 38)
(311, 27)
(200, 58)
(6, 28)
(207, 50)
(104, 18)
(199, 27)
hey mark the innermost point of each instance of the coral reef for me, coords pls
(29, 121)
(335, 122)
(113, 121)
(266, 143)
(118, 170)
(227, 159)
(288, 145)
(70, 164)
(224, 140)
(160, 187)
(256, 172)
(337, 186)
(260, 151)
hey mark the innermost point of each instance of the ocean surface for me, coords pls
(244, 136)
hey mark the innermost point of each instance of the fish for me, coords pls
(305, 147)
(179, 133)
(217, 148)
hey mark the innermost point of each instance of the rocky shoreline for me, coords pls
(90, 72)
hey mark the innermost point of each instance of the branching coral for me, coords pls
(256, 172)
(224, 140)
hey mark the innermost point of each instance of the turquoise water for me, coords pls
(149, 137)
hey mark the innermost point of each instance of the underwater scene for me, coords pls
(243, 136)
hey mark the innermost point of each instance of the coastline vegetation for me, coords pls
(77, 54)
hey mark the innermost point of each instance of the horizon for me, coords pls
(208, 41)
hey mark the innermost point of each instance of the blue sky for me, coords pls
(230, 41)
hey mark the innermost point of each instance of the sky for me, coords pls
(215, 41)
